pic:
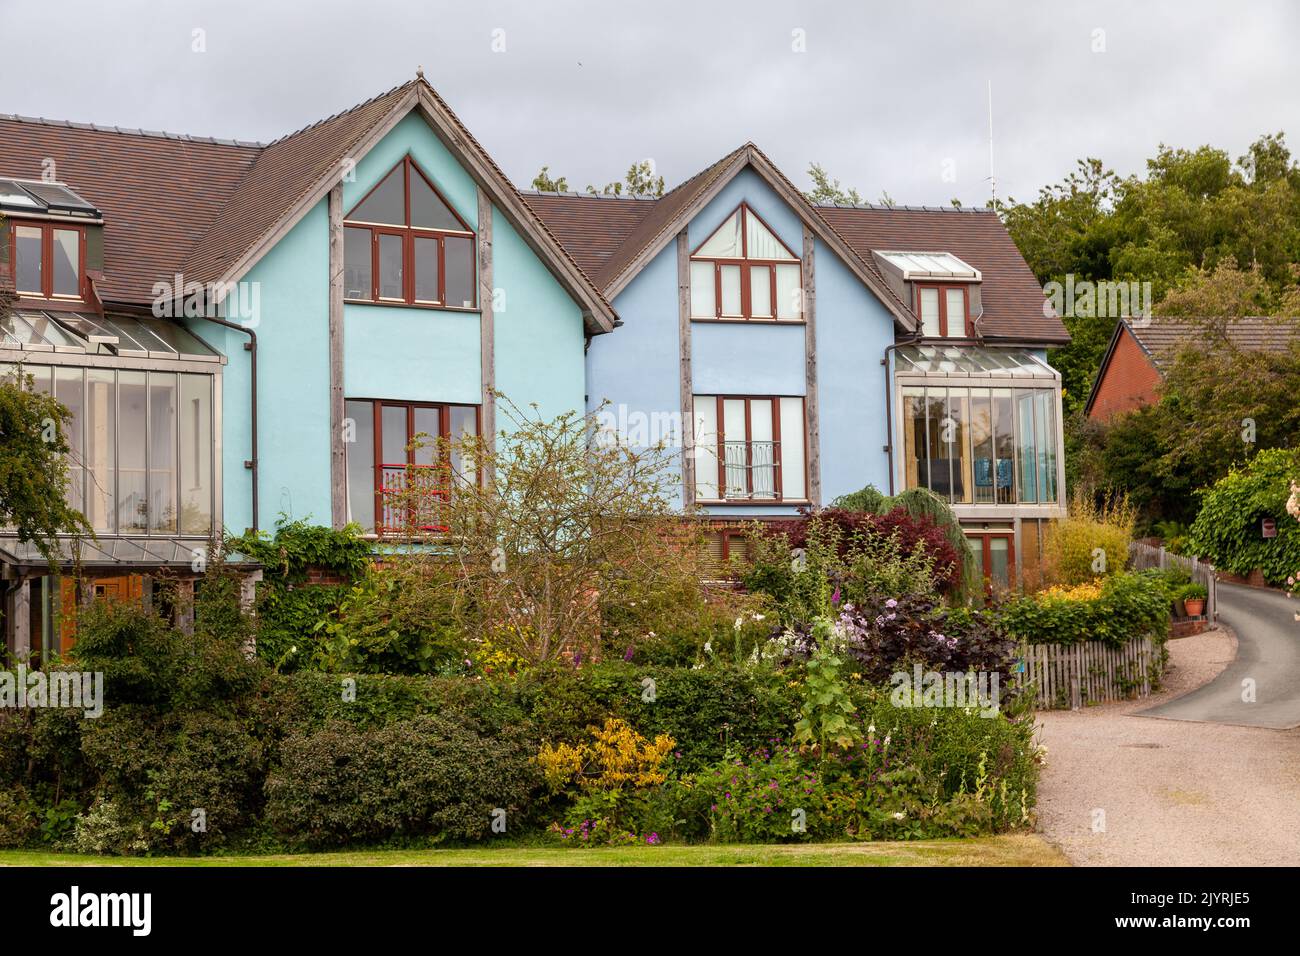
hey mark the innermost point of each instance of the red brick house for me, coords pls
(1141, 350)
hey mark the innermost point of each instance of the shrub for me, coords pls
(1091, 541)
(106, 829)
(288, 608)
(1227, 529)
(402, 617)
(1113, 610)
(19, 825)
(425, 779)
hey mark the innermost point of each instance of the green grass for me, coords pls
(1012, 850)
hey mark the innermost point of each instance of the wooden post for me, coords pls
(685, 383)
(21, 621)
(185, 605)
(338, 451)
(813, 423)
(487, 321)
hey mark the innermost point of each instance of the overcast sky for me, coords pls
(887, 96)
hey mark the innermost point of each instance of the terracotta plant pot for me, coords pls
(1195, 606)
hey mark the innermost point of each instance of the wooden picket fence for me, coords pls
(1142, 556)
(1073, 675)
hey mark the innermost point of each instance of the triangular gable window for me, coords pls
(404, 243)
(743, 271)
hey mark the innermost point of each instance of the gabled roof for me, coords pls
(210, 209)
(158, 191)
(615, 238)
(1161, 338)
(592, 228)
(670, 214)
(1012, 298)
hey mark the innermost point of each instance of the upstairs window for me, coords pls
(48, 260)
(743, 271)
(944, 311)
(750, 448)
(404, 244)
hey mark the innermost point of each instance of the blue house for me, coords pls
(245, 330)
(803, 352)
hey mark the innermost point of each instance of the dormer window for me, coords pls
(940, 286)
(47, 238)
(405, 245)
(743, 271)
(48, 260)
(943, 311)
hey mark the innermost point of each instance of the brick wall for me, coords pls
(1128, 381)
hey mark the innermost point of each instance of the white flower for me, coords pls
(899, 815)
(871, 728)
(293, 649)
(708, 647)
(886, 740)
(758, 617)
(739, 622)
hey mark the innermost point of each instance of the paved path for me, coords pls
(1268, 654)
(1121, 791)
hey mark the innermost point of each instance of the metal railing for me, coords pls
(750, 469)
(413, 499)
(1143, 556)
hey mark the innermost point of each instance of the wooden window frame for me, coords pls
(745, 264)
(409, 233)
(778, 482)
(986, 555)
(47, 259)
(377, 406)
(942, 289)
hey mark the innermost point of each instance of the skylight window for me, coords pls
(931, 265)
(51, 199)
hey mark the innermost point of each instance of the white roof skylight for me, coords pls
(930, 265)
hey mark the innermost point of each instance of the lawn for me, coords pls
(1012, 850)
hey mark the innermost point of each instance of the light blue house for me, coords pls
(804, 352)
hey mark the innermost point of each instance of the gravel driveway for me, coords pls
(1124, 790)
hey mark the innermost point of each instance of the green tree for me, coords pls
(640, 180)
(828, 190)
(543, 182)
(34, 471)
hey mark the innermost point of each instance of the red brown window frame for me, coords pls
(409, 233)
(986, 554)
(942, 289)
(744, 263)
(47, 258)
(377, 427)
(777, 476)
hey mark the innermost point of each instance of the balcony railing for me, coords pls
(750, 469)
(413, 499)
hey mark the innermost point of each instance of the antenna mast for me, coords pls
(993, 180)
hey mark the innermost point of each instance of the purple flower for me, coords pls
(627, 655)
(835, 597)
(891, 603)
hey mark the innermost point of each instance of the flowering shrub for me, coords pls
(1123, 606)
(615, 774)
(1090, 542)
(885, 635)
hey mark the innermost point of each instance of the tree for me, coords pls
(1224, 291)
(543, 182)
(564, 519)
(828, 190)
(34, 476)
(639, 179)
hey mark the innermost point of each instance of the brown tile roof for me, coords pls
(589, 227)
(199, 206)
(284, 173)
(157, 191)
(1162, 337)
(1013, 299)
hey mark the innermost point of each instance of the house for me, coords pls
(244, 330)
(808, 351)
(1141, 350)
